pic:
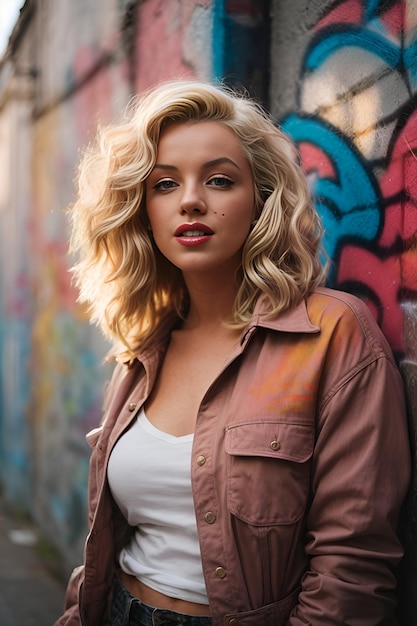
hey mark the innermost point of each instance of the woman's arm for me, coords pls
(71, 615)
(360, 476)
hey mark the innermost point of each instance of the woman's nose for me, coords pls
(192, 202)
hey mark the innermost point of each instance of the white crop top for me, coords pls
(149, 475)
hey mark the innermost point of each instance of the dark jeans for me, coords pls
(129, 611)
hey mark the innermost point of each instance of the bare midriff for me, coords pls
(154, 598)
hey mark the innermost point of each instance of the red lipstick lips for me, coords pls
(193, 234)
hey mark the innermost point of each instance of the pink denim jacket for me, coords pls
(300, 465)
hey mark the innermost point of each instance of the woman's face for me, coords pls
(200, 198)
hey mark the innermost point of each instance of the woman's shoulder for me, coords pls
(347, 316)
(338, 301)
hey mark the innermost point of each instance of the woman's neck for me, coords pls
(211, 304)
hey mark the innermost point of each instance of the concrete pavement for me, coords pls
(30, 595)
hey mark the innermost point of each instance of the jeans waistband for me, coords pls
(130, 611)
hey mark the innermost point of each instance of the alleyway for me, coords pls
(29, 593)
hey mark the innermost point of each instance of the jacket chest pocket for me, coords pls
(268, 471)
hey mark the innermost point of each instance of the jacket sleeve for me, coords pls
(71, 615)
(360, 476)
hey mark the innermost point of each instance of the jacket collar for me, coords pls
(295, 320)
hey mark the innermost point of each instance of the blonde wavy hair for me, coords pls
(129, 286)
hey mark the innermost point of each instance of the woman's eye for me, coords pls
(164, 185)
(220, 181)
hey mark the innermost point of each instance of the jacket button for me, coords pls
(275, 445)
(210, 517)
(201, 460)
(220, 572)
(132, 406)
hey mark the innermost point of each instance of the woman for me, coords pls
(253, 453)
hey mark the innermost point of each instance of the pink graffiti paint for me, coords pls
(93, 102)
(161, 21)
(399, 181)
(382, 278)
(350, 12)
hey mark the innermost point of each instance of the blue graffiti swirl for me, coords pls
(337, 37)
(349, 202)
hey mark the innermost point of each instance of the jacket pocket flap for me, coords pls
(287, 441)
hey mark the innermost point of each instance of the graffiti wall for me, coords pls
(186, 30)
(15, 458)
(15, 308)
(354, 119)
(241, 45)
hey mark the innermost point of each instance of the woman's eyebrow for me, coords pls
(219, 161)
(162, 166)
